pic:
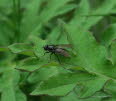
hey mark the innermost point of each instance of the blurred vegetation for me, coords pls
(26, 26)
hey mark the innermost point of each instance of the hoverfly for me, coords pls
(58, 50)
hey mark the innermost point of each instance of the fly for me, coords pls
(58, 50)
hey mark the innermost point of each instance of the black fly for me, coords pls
(58, 50)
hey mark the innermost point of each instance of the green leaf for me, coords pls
(29, 64)
(109, 35)
(20, 96)
(73, 97)
(5, 34)
(113, 52)
(52, 38)
(8, 94)
(3, 2)
(21, 48)
(82, 9)
(38, 45)
(66, 8)
(4, 49)
(110, 99)
(110, 87)
(60, 91)
(61, 84)
(33, 64)
(88, 49)
(91, 86)
(48, 13)
(10, 80)
(42, 74)
(104, 8)
(57, 36)
(30, 19)
(50, 10)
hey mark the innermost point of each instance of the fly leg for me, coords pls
(46, 52)
(61, 63)
(57, 58)
(51, 56)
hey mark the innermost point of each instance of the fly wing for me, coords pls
(62, 52)
(64, 46)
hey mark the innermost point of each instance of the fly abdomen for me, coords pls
(62, 52)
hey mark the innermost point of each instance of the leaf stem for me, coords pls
(17, 19)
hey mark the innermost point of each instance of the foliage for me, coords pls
(27, 74)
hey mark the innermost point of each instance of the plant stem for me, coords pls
(16, 19)
(19, 18)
